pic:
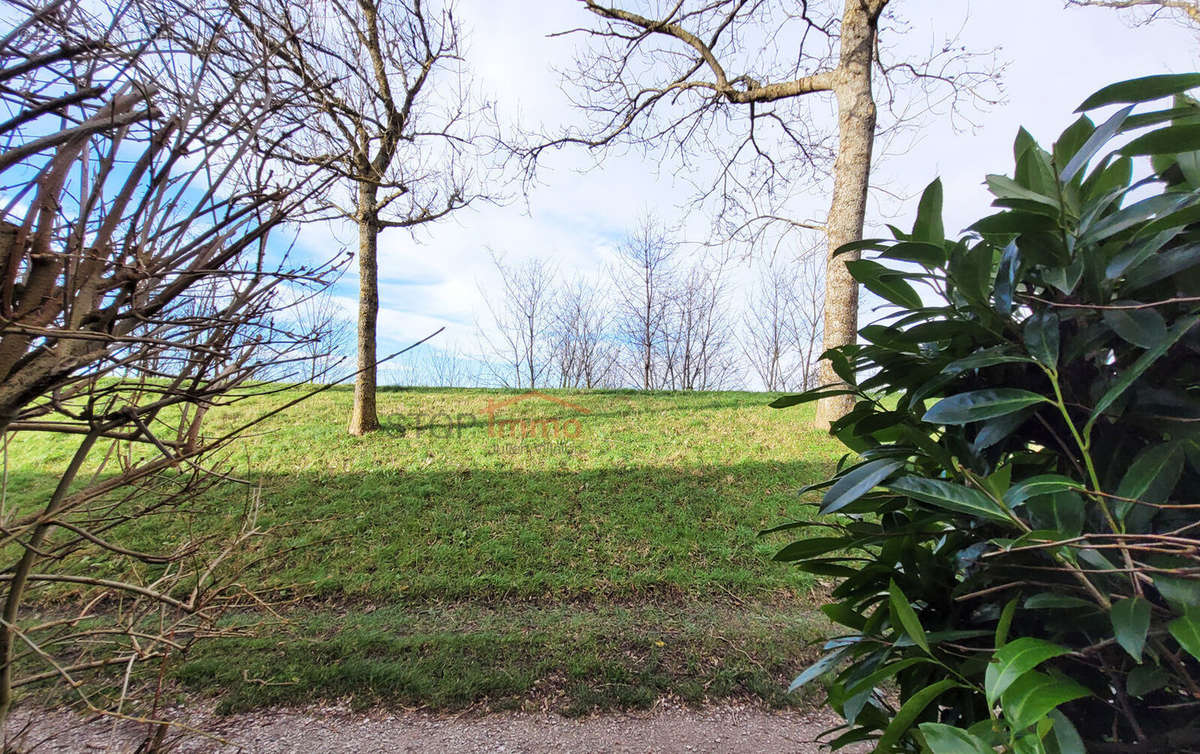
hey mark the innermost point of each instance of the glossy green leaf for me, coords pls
(905, 618)
(995, 430)
(1108, 180)
(1013, 222)
(909, 712)
(926, 254)
(1035, 172)
(1189, 164)
(786, 401)
(1071, 141)
(1137, 253)
(1150, 477)
(946, 739)
(863, 270)
(1033, 695)
(929, 332)
(873, 244)
(1130, 375)
(888, 671)
(1065, 736)
(1005, 622)
(1181, 593)
(1006, 280)
(1131, 621)
(1186, 630)
(970, 271)
(950, 496)
(811, 547)
(1006, 188)
(1095, 142)
(1065, 279)
(857, 482)
(841, 613)
(1041, 332)
(1154, 117)
(787, 526)
(1015, 659)
(1145, 678)
(1063, 512)
(1162, 265)
(1143, 89)
(1042, 484)
(1145, 328)
(886, 283)
(841, 366)
(977, 405)
(832, 566)
(928, 226)
(894, 290)
(817, 669)
(1052, 601)
(1169, 140)
(999, 480)
(1022, 143)
(983, 359)
(1158, 205)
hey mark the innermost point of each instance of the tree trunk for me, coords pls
(363, 416)
(851, 177)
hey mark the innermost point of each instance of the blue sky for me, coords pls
(1055, 57)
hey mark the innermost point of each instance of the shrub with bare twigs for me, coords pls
(138, 291)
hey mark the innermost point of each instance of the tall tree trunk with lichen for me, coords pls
(363, 415)
(851, 179)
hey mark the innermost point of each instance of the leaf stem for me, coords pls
(1084, 442)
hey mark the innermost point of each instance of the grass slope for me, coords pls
(608, 558)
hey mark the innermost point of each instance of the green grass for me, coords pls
(441, 565)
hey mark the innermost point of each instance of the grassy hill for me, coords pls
(579, 550)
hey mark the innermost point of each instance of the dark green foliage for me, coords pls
(1017, 559)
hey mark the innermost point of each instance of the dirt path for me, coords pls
(724, 728)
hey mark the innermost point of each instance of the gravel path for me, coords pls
(723, 728)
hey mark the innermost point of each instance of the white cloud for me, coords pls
(433, 278)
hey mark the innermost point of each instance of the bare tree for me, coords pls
(393, 119)
(698, 343)
(782, 322)
(768, 341)
(584, 349)
(806, 307)
(522, 314)
(642, 280)
(1185, 11)
(692, 73)
(450, 367)
(435, 366)
(324, 334)
(138, 291)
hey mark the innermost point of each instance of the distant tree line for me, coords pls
(654, 319)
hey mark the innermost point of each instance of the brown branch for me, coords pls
(1152, 305)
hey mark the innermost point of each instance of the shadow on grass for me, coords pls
(546, 536)
(541, 535)
(566, 659)
(481, 588)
